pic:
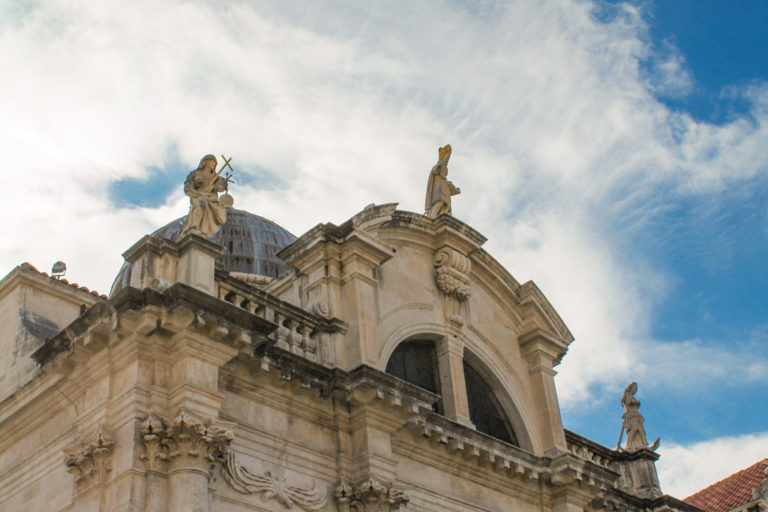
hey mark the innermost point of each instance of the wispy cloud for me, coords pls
(687, 468)
(561, 148)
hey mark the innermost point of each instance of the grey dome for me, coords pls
(250, 244)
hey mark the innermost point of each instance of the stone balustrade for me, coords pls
(589, 450)
(307, 334)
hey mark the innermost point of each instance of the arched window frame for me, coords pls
(506, 402)
(426, 350)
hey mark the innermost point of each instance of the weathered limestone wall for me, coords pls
(33, 307)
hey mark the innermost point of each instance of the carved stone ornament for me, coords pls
(246, 482)
(184, 441)
(632, 423)
(207, 211)
(90, 461)
(370, 495)
(453, 273)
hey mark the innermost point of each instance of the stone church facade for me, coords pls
(387, 363)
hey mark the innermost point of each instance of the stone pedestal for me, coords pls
(639, 468)
(159, 263)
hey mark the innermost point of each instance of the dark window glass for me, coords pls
(415, 362)
(485, 410)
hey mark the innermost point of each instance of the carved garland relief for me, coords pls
(247, 482)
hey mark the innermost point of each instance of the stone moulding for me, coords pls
(246, 482)
(90, 461)
(453, 269)
(369, 495)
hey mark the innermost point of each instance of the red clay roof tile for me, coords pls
(730, 492)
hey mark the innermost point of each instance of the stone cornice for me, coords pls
(531, 294)
(102, 318)
(614, 500)
(174, 247)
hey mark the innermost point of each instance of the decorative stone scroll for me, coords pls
(453, 273)
(90, 461)
(246, 482)
(184, 441)
(370, 495)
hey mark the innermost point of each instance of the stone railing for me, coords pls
(590, 450)
(307, 334)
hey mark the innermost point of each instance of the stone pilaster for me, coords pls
(541, 352)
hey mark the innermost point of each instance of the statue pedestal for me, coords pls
(159, 263)
(640, 471)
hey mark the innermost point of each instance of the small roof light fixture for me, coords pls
(59, 269)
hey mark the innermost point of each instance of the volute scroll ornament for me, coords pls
(370, 495)
(453, 269)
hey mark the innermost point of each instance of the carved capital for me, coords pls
(369, 495)
(184, 442)
(453, 269)
(89, 460)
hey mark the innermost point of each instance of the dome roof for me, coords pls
(250, 245)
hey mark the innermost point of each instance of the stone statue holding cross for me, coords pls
(207, 211)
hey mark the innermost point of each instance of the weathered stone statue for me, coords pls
(439, 189)
(633, 422)
(206, 210)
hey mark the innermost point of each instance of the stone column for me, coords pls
(450, 361)
(187, 449)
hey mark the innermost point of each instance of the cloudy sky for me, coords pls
(615, 153)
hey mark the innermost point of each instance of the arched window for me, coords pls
(415, 362)
(485, 410)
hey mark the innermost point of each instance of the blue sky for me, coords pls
(613, 152)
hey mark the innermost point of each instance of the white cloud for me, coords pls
(687, 469)
(560, 149)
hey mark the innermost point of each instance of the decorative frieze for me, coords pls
(453, 269)
(370, 495)
(89, 461)
(271, 487)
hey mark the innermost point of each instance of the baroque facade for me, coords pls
(387, 363)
